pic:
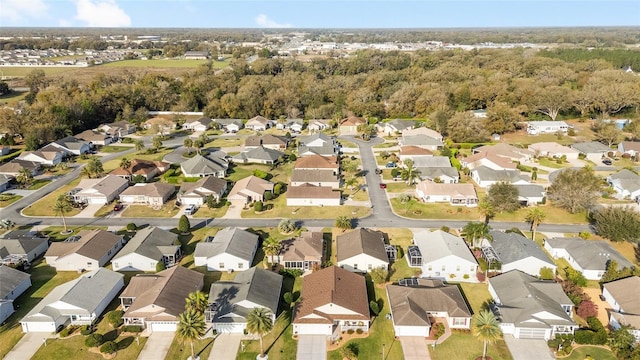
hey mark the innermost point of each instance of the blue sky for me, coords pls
(318, 14)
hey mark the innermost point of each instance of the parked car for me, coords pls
(391, 165)
(190, 210)
(378, 171)
(383, 186)
(607, 161)
(118, 207)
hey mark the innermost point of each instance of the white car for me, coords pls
(190, 210)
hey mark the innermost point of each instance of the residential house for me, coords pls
(163, 125)
(100, 191)
(304, 252)
(442, 255)
(454, 194)
(395, 126)
(16, 248)
(349, 126)
(232, 249)
(146, 249)
(148, 169)
(413, 153)
(592, 150)
(332, 300)
(267, 141)
(485, 177)
(423, 141)
(318, 162)
(230, 125)
(489, 160)
(258, 123)
(155, 301)
(629, 147)
(118, 129)
(422, 131)
(250, 189)
(322, 178)
(77, 302)
(49, 158)
(198, 125)
(622, 296)
(587, 256)
(152, 194)
(13, 167)
(626, 184)
(13, 283)
(258, 155)
(553, 150)
(317, 125)
(5, 182)
(317, 144)
(4, 149)
(89, 250)
(530, 194)
(361, 250)
(436, 168)
(231, 301)
(546, 127)
(196, 193)
(200, 166)
(71, 146)
(528, 308)
(197, 55)
(416, 305)
(94, 137)
(515, 252)
(293, 125)
(504, 150)
(311, 195)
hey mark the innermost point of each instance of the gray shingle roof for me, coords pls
(511, 247)
(259, 153)
(438, 244)
(530, 190)
(233, 241)
(9, 279)
(589, 254)
(310, 175)
(432, 161)
(148, 243)
(400, 124)
(22, 245)
(361, 241)
(436, 172)
(591, 147)
(418, 140)
(202, 165)
(488, 174)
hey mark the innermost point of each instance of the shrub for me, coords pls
(257, 206)
(288, 298)
(183, 224)
(465, 276)
(65, 332)
(86, 330)
(109, 347)
(546, 273)
(575, 276)
(132, 328)
(291, 273)
(584, 336)
(261, 174)
(115, 317)
(93, 340)
(375, 308)
(268, 195)
(350, 331)
(359, 331)
(395, 172)
(160, 265)
(445, 228)
(481, 276)
(131, 227)
(277, 189)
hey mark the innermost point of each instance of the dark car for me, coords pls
(383, 186)
(118, 207)
(607, 161)
(391, 165)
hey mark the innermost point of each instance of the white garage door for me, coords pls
(528, 333)
(313, 329)
(234, 328)
(100, 201)
(162, 326)
(411, 331)
(48, 327)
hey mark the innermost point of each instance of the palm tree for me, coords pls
(156, 142)
(487, 209)
(62, 206)
(24, 177)
(188, 143)
(259, 322)
(197, 301)
(409, 173)
(125, 164)
(191, 327)
(475, 231)
(139, 145)
(535, 217)
(198, 144)
(351, 183)
(486, 328)
(343, 222)
(271, 247)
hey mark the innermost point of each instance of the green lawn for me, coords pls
(73, 348)
(595, 352)
(222, 142)
(44, 206)
(205, 213)
(278, 344)
(552, 163)
(14, 98)
(114, 148)
(7, 199)
(181, 350)
(415, 209)
(37, 184)
(165, 63)
(169, 209)
(386, 144)
(142, 155)
(476, 295)
(281, 173)
(347, 144)
(19, 71)
(554, 215)
(464, 346)
(399, 187)
(279, 209)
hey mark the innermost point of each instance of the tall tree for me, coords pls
(271, 247)
(487, 210)
(503, 196)
(259, 322)
(156, 142)
(25, 177)
(197, 301)
(475, 231)
(534, 217)
(574, 189)
(486, 328)
(343, 222)
(188, 143)
(125, 164)
(409, 173)
(139, 145)
(191, 327)
(61, 207)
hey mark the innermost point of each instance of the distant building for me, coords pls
(197, 55)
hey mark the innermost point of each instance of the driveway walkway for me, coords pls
(528, 349)
(225, 346)
(312, 347)
(414, 348)
(27, 346)
(157, 346)
(235, 210)
(89, 211)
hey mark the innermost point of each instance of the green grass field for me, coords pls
(21, 71)
(594, 351)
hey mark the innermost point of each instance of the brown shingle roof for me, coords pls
(625, 291)
(253, 184)
(313, 175)
(361, 241)
(142, 167)
(153, 189)
(92, 244)
(308, 191)
(332, 285)
(414, 150)
(352, 121)
(307, 246)
(317, 162)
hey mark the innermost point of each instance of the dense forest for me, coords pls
(512, 85)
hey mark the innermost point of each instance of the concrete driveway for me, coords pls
(157, 346)
(312, 347)
(27, 346)
(414, 348)
(235, 210)
(225, 346)
(528, 349)
(89, 211)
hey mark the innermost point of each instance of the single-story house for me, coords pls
(195, 193)
(587, 256)
(442, 255)
(146, 248)
(149, 169)
(530, 194)
(546, 127)
(395, 126)
(164, 125)
(250, 189)
(155, 302)
(94, 137)
(332, 300)
(13, 167)
(528, 308)
(629, 147)
(258, 155)
(446, 175)
(230, 125)
(200, 166)
(267, 141)
(422, 131)
(317, 144)
(554, 150)
(49, 158)
(312, 195)
(413, 152)
(118, 129)
(622, 295)
(5, 182)
(349, 126)
(361, 250)
(316, 125)
(318, 162)
(304, 252)
(489, 160)
(197, 55)
(504, 150)
(454, 194)
(515, 252)
(326, 178)
(12, 284)
(198, 125)
(152, 194)
(77, 302)
(232, 249)
(485, 176)
(72, 146)
(415, 306)
(89, 250)
(293, 125)
(626, 184)
(18, 249)
(231, 301)
(423, 141)
(592, 150)
(258, 123)
(100, 191)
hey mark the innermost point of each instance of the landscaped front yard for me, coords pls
(73, 348)
(596, 352)
(415, 209)
(44, 206)
(279, 209)
(464, 346)
(169, 209)
(180, 350)
(8, 198)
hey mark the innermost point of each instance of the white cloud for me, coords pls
(263, 21)
(17, 10)
(64, 23)
(101, 13)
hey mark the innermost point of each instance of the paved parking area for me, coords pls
(157, 346)
(225, 346)
(312, 347)
(528, 349)
(27, 346)
(414, 348)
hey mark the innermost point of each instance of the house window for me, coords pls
(89, 264)
(458, 268)
(221, 265)
(355, 266)
(459, 321)
(369, 266)
(240, 265)
(444, 267)
(115, 264)
(430, 268)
